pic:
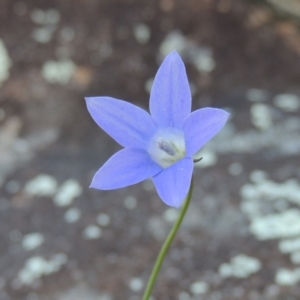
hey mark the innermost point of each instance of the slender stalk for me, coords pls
(166, 245)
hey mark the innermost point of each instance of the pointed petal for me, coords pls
(128, 124)
(126, 167)
(201, 125)
(170, 98)
(173, 183)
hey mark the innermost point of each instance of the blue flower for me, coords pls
(160, 145)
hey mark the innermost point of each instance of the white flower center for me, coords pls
(167, 146)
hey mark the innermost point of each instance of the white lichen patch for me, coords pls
(3, 282)
(270, 207)
(148, 185)
(58, 71)
(261, 116)
(103, 219)
(295, 258)
(193, 88)
(37, 266)
(68, 191)
(130, 202)
(264, 189)
(142, 33)
(286, 143)
(80, 292)
(199, 288)
(200, 56)
(32, 241)
(274, 226)
(287, 277)
(15, 235)
(287, 102)
(12, 187)
(184, 296)
(67, 34)
(44, 17)
(148, 85)
(175, 40)
(289, 245)
(241, 266)
(42, 185)
(72, 215)
(257, 95)
(209, 158)
(235, 169)
(48, 20)
(157, 227)
(171, 214)
(92, 232)
(136, 284)
(2, 113)
(258, 176)
(5, 63)
(44, 34)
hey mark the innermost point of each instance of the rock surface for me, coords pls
(61, 240)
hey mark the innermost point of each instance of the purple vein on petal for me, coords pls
(201, 125)
(126, 123)
(126, 167)
(170, 97)
(172, 184)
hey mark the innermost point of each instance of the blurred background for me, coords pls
(62, 241)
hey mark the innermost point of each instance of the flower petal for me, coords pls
(126, 167)
(200, 126)
(128, 124)
(172, 184)
(170, 98)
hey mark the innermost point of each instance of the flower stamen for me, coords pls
(167, 147)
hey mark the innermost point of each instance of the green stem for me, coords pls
(167, 245)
